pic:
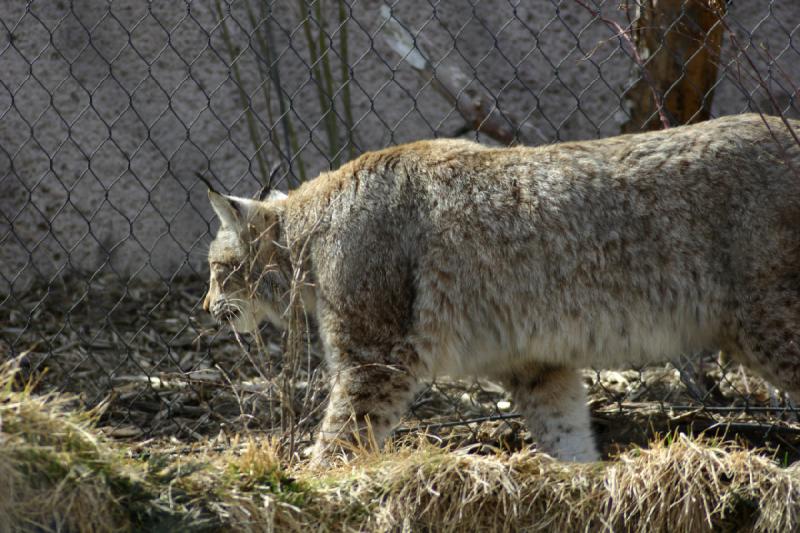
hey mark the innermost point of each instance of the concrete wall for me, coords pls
(107, 112)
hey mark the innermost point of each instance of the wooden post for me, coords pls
(679, 42)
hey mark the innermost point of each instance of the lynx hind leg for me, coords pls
(768, 336)
(370, 392)
(553, 402)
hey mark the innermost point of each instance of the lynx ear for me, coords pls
(231, 210)
(224, 208)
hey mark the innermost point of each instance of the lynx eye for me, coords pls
(226, 272)
(220, 269)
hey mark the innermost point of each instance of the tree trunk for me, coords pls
(679, 42)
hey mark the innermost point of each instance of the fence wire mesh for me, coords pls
(108, 111)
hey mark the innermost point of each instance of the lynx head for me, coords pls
(247, 282)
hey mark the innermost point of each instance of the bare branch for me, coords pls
(628, 45)
(476, 106)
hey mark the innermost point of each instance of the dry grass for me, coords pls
(64, 475)
(55, 465)
(686, 485)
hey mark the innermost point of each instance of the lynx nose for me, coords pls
(226, 315)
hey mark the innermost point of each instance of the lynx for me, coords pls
(522, 265)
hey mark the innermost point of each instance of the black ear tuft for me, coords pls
(263, 193)
(204, 180)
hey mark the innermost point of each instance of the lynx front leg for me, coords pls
(368, 397)
(553, 402)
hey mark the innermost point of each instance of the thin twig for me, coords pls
(344, 63)
(325, 102)
(630, 47)
(764, 86)
(324, 55)
(456, 423)
(266, 86)
(290, 137)
(246, 102)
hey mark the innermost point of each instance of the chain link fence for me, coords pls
(108, 111)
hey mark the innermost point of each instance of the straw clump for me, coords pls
(60, 474)
(55, 468)
(683, 485)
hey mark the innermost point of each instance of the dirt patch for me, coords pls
(158, 370)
